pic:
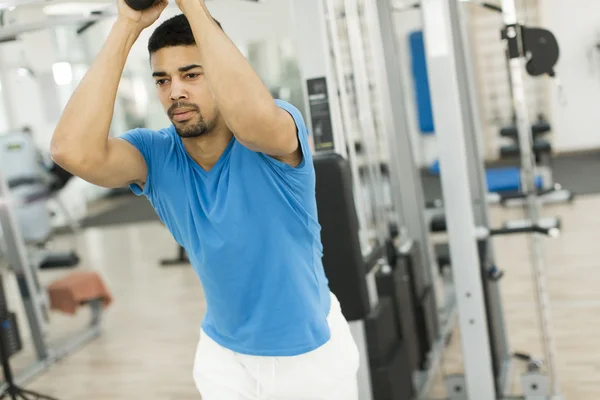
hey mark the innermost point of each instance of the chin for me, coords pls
(189, 129)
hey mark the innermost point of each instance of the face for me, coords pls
(183, 90)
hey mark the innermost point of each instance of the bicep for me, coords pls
(121, 165)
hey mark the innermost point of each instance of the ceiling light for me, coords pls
(63, 73)
(73, 8)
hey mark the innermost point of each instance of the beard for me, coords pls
(194, 127)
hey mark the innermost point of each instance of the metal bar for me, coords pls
(439, 44)
(479, 190)
(528, 171)
(11, 31)
(6, 4)
(407, 188)
(336, 52)
(16, 255)
(369, 137)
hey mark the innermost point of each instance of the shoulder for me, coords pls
(152, 144)
(294, 112)
(150, 137)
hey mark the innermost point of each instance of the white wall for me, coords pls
(576, 25)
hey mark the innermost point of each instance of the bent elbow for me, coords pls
(72, 158)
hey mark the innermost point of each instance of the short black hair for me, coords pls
(175, 31)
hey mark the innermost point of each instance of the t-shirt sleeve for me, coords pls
(145, 140)
(303, 138)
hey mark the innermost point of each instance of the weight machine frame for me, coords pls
(456, 113)
(34, 298)
(480, 313)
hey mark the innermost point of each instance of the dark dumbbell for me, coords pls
(139, 5)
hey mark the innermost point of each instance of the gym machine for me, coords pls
(461, 167)
(33, 187)
(377, 254)
(10, 344)
(22, 210)
(503, 183)
(385, 322)
(542, 51)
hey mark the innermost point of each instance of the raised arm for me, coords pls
(244, 101)
(81, 143)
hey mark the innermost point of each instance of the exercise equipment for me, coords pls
(476, 277)
(385, 371)
(522, 55)
(139, 5)
(31, 188)
(542, 49)
(25, 226)
(10, 344)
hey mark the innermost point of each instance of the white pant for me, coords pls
(327, 373)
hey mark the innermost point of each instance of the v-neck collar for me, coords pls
(197, 166)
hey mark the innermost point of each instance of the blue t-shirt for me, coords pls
(250, 228)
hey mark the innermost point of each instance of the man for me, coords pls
(233, 180)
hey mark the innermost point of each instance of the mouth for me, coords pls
(183, 115)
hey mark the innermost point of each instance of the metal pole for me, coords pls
(479, 190)
(405, 176)
(16, 254)
(448, 116)
(528, 171)
(331, 17)
(369, 136)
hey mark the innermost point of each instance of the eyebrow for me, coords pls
(181, 69)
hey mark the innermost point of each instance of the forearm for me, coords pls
(82, 131)
(242, 98)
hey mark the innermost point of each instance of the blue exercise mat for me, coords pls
(498, 179)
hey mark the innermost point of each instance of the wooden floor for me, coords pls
(150, 332)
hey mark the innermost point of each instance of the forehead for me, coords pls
(170, 59)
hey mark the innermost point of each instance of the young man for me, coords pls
(233, 180)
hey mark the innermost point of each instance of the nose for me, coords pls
(178, 91)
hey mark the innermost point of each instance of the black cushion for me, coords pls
(538, 128)
(396, 285)
(438, 223)
(540, 147)
(60, 260)
(381, 330)
(342, 256)
(393, 381)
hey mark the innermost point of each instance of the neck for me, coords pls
(208, 148)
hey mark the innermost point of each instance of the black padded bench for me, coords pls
(537, 129)
(541, 148)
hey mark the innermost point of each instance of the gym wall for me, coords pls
(576, 24)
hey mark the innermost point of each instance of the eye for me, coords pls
(160, 82)
(192, 75)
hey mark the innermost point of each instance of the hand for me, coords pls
(186, 5)
(144, 18)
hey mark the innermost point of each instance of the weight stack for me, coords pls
(426, 324)
(423, 302)
(381, 331)
(409, 253)
(391, 374)
(393, 381)
(396, 285)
